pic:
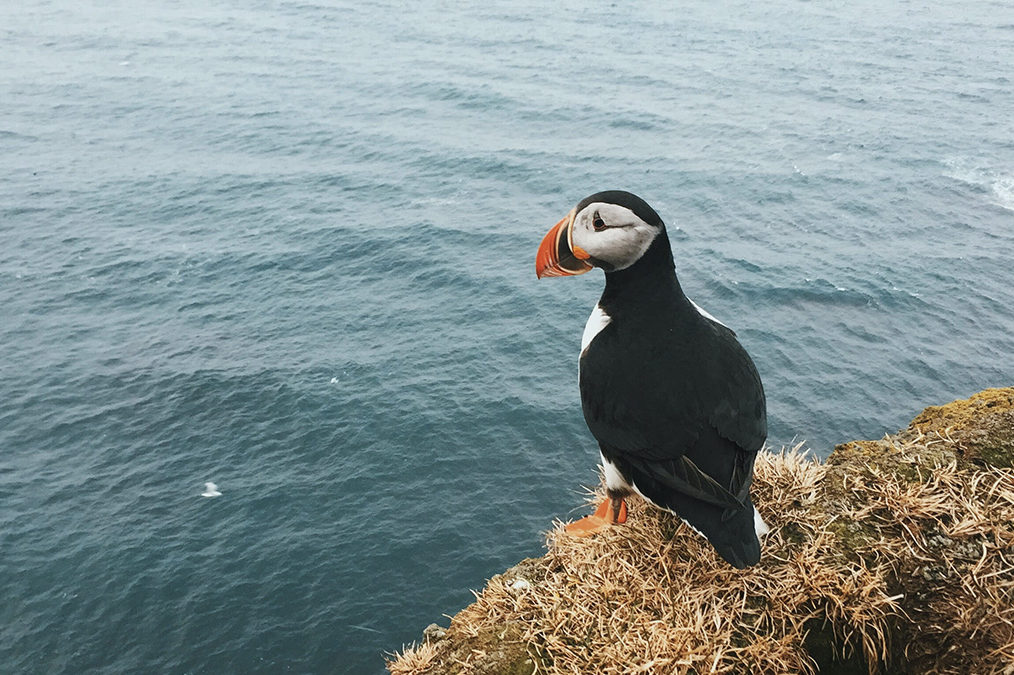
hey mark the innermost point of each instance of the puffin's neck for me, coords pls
(652, 280)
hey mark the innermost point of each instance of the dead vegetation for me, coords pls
(893, 556)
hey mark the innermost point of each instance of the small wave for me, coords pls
(9, 135)
(999, 185)
(811, 292)
(963, 171)
(1003, 189)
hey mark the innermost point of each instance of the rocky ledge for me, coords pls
(894, 555)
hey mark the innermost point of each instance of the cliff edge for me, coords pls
(894, 555)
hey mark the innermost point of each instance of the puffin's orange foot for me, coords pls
(608, 513)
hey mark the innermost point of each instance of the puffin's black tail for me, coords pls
(731, 531)
(733, 534)
(736, 539)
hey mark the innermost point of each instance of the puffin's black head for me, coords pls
(611, 230)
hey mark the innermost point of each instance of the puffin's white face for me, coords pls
(601, 234)
(611, 234)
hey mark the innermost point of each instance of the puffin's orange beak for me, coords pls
(557, 256)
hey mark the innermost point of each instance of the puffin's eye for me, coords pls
(598, 223)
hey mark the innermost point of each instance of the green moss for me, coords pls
(504, 653)
(850, 453)
(854, 537)
(532, 570)
(966, 412)
(915, 463)
(982, 426)
(995, 441)
(794, 533)
(999, 456)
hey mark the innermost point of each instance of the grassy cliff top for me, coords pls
(894, 555)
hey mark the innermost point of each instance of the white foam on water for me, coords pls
(998, 184)
(1003, 190)
(964, 170)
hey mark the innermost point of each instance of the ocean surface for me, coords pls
(289, 247)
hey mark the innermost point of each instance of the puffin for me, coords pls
(671, 396)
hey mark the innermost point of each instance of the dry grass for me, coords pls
(897, 558)
(413, 659)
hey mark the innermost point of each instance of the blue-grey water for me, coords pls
(288, 247)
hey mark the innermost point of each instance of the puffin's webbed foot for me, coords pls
(609, 512)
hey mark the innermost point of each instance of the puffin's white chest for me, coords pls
(596, 322)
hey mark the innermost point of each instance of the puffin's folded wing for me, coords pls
(685, 477)
(735, 402)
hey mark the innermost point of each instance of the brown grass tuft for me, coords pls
(413, 659)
